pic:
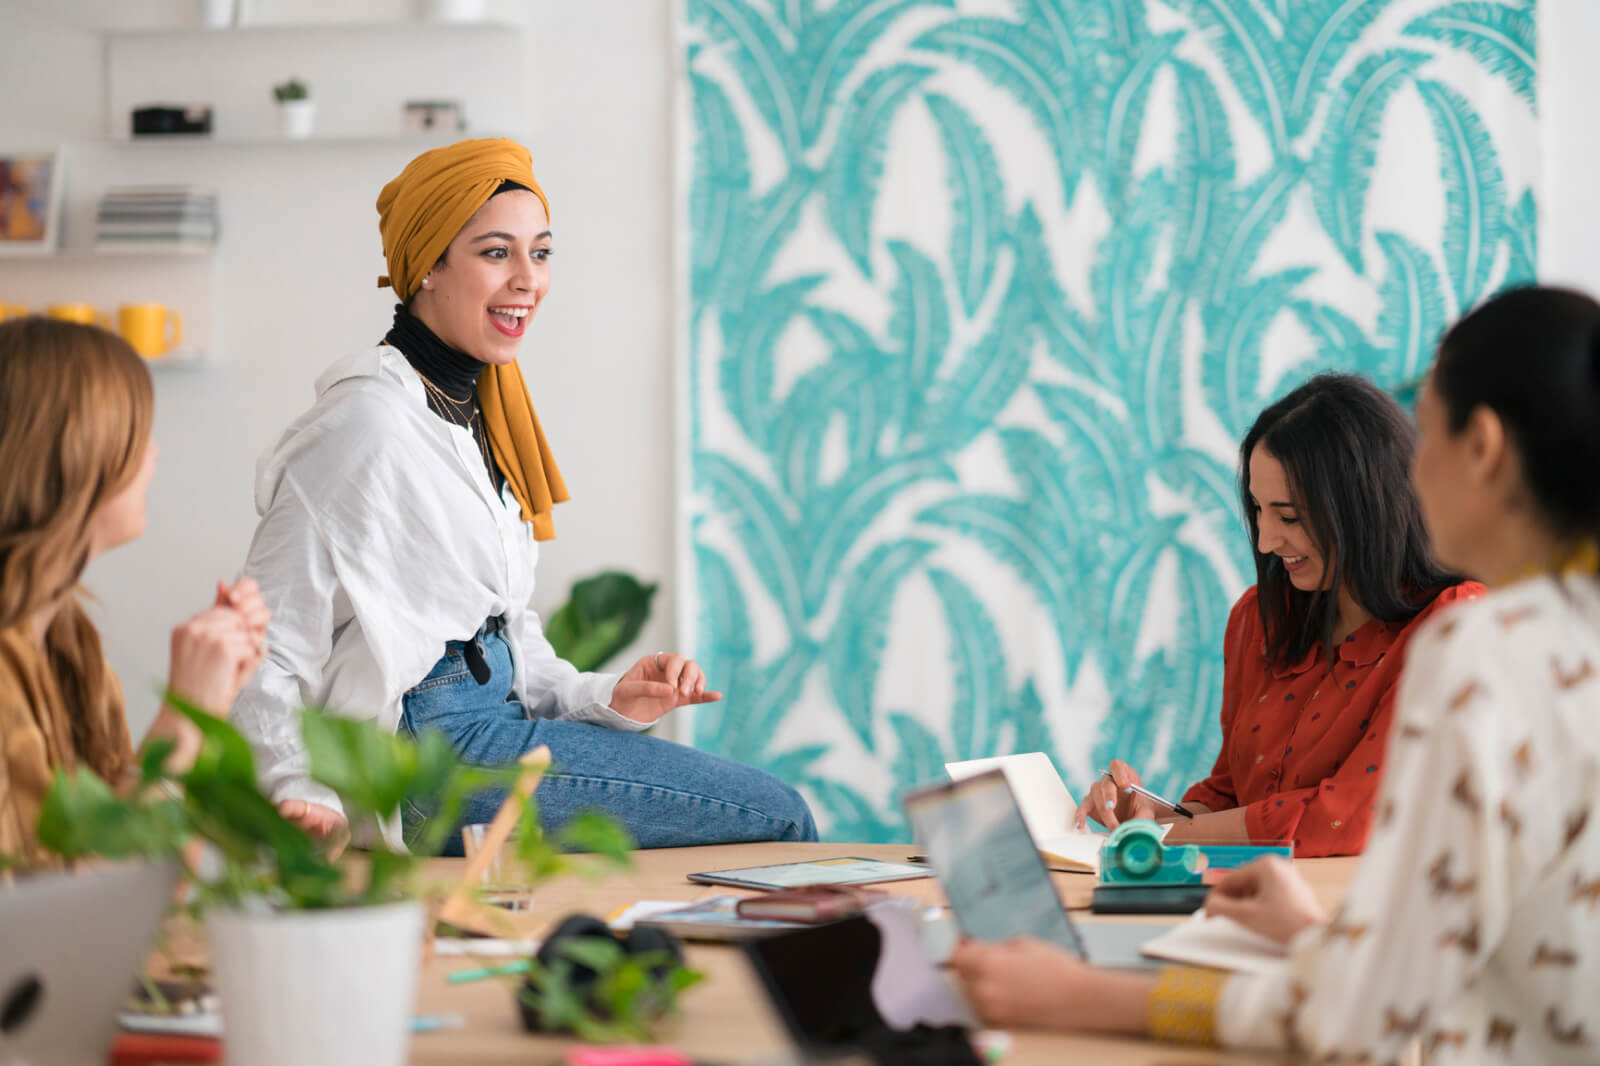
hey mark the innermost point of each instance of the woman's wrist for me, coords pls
(1181, 1005)
(186, 740)
(1111, 1002)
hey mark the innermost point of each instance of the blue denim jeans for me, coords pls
(666, 794)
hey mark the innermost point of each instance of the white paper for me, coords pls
(907, 987)
(199, 1023)
(484, 947)
(1218, 942)
(1046, 804)
(1047, 807)
(623, 920)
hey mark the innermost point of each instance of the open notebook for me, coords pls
(1217, 942)
(1047, 808)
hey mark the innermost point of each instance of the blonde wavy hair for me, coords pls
(76, 408)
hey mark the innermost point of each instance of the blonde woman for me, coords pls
(76, 460)
(1473, 921)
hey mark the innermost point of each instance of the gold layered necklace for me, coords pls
(464, 412)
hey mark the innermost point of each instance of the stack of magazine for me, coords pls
(156, 218)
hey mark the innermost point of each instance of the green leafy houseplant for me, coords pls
(293, 89)
(603, 616)
(264, 858)
(623, 991)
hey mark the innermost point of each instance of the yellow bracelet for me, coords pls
(1182, 1007)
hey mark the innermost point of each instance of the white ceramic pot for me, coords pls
(217, 14)
(453, 10)
(299, 116)
(317, 988)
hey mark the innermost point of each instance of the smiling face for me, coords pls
(481, 295)
(1279, 530)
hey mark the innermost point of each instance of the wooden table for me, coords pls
(727, 1018)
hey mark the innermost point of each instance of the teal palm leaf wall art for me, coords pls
(981, 295)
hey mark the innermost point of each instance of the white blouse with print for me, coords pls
(1473, 921)
(381, 538)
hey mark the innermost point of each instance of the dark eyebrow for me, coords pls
(1276, 503)
(501, 235)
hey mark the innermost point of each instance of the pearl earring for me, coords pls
(425, 281)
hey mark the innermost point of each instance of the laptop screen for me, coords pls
(820, 979)
(990, 870)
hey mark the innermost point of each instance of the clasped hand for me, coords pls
(215, 652)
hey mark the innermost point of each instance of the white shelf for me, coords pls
(180, 361)
(361, 74)
(186, 253)
(166, 141)
(253, 29)
(187, 283)
(84, 255)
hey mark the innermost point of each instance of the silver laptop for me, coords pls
(996, 881)
(71, 945)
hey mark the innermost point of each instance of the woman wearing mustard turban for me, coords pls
(400, 517)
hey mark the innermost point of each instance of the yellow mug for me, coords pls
(12, 311)
(146, 327)
(84, 313)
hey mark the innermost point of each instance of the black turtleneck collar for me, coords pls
(455, 373)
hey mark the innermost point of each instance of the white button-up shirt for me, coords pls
(381, 538)
(1473, 923)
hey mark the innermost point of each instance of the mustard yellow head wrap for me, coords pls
(419, 214)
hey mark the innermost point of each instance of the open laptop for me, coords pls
(71, 945)
(997, 885)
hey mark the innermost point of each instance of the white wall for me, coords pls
(1569, 85)
(300, 250)
(296, 270)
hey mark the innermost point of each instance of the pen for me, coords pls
(430, 1023)
(1151, 796)
(478, 973)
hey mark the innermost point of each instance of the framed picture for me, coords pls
(30, 201)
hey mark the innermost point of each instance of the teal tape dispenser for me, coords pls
(1135, 855)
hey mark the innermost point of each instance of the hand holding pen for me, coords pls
(1118, 796)
(1162, 804)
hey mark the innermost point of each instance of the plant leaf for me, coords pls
(1341, 169)
(977, 663)
(1412, 309)
(1474, 194)
(855, 167)
(1501, 37)
(978, 199)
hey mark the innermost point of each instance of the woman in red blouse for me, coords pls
(1313, 651)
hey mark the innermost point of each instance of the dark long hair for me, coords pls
(1346, 449)
(1532, 356)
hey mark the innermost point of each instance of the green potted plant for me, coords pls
(315, 957)
(296, 110)
(604, 615)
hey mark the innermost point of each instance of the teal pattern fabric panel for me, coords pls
(980, 296)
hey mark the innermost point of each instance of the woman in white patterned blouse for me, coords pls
(1473, 922)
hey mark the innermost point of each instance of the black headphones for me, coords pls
(641, 940)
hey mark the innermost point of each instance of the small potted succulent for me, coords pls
(296, 110)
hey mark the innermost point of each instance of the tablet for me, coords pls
(847, 870)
